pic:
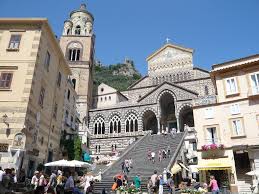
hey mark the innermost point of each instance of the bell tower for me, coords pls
(77, 44)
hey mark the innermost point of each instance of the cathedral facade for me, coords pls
(161, 100)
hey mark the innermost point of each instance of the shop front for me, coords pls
(221, 168)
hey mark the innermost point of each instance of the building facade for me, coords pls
(162, 100)
(227, 125)
(71, 120)
(77, 44)
(32, 88)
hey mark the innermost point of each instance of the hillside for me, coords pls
(119, 76)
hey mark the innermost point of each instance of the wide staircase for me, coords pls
(141, 164)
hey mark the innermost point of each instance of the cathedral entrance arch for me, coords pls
(186, 117)
(167, 111)
(150, 122)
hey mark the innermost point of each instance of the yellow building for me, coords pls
(228, 125)
(33, 80)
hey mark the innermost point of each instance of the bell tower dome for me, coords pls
(77, 44)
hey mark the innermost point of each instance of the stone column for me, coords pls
(178, 124)
(158, 125)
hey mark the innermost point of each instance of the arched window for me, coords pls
(68, 31)
(77, 30)
(131, 123)
(74, 82)
(115, 124)
(74, 51)
(99, 126)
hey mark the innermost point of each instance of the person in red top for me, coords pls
(214, 185)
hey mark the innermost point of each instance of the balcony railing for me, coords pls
(205, 100)
(254, 91)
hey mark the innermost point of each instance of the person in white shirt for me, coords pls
(153, 154)
(35, 179)
(88, 179)
(1, 174)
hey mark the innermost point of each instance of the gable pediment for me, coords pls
(170, 57)
(180, 93)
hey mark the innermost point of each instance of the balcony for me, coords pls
(205, 100)
(253, 92)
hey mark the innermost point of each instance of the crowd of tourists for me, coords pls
(8, 178)
(59, 183)
(122, 180)
(161, 154)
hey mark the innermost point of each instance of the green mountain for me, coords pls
(119, 76)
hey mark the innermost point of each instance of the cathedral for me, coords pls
(159, 101)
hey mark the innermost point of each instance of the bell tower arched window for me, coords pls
(131, 123)
(74, 51)
(77, 30)
(68, 31)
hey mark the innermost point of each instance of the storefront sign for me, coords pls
(4, 147)
(19, 141)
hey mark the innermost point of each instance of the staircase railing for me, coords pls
(132, 146)
(173, 159)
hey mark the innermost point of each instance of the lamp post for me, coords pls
(5, 117)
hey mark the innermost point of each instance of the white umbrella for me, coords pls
(76, 163)
(253, 173)
(57, 163)
(65, 163)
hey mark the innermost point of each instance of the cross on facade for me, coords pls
(167, 40)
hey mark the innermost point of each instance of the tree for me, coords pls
(77, 149)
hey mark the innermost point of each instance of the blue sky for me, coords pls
(218, 30)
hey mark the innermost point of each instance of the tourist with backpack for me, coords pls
(52, 183)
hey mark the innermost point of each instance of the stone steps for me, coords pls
(141, 164)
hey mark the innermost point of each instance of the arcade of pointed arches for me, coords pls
(164, 117)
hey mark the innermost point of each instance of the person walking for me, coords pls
(70, 184)
(214, 185)
(168, 151)
(154, 179)
(153, 154)
(137, 181)
(170, 185)
(149, 186)
(40, 189)
(160, 156)
(52, 184)
(130, 163)
(35, 180)
(149, 154)
(161, 183)
(123, 167)
(88, 179)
